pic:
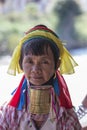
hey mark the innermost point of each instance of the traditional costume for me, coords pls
(50, 105)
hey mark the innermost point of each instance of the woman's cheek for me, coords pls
(27, 73)
(26, 69)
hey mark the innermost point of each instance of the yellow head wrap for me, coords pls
(67, 62)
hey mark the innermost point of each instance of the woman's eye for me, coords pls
(30, 61)
(45, 62)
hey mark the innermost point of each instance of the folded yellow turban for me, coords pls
(67, 62)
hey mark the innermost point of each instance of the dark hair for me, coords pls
(39, 46)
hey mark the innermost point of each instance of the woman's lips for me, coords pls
(36, 77)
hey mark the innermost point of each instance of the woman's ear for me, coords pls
(58, 64)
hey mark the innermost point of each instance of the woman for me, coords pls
(42, 99)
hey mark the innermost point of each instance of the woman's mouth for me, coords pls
(36, 77)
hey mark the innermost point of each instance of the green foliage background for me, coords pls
(14, 24)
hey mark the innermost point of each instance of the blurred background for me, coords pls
(68, 18)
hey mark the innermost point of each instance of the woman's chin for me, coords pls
(36, 82)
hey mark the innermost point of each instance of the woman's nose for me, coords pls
(36, 68)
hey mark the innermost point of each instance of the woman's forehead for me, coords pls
(39, 58)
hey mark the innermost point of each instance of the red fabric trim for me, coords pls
(16, 97)
(40, 28)
(64, 97)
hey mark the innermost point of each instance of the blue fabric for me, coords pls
(14, 91)
(22, 101)
(56, 86)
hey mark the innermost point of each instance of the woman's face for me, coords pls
(39, 69)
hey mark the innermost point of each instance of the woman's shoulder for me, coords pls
(9, 116)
